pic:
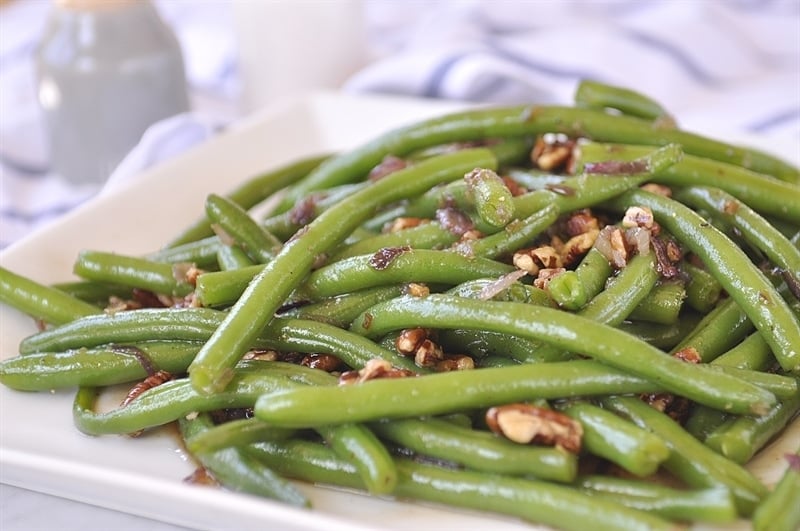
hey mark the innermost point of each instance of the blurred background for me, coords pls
(94, 91)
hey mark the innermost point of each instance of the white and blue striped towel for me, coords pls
(717, 65)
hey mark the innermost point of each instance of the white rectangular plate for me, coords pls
(41, 450)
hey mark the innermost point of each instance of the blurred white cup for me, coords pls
(289, 48)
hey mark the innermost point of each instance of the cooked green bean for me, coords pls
(99, 366)
(391, 266)
(176, 398)
(761, 191)
(601, 96)
(227, 216)
(477, 449)
(132, 271)
(232, 257)
(689, 459)
(740, 438)
(662, 305)
(235, 433)
(702, 289)
(740, 278)
(753, 228)
(492, 198)
(210, 370)
(534, 501)
(41, 302)
(714, 504)
(621, 442)
(238, 470)
(573, 333)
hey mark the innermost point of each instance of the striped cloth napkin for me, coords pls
(717, 65)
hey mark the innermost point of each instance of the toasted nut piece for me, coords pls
(261, 355)
(577, 246)
(513, 186)
(154, 380)
(533, 259)
(472, 234)
(457, 362)
(417, 290)
(410, 340)
(374, 368)
(658, 189)
(404, 223)
(323, 362)
(525, 423)
(389, 164)
(637, 216)
(552, 152)
(676, 407)
(580, 222)
(428, 354)
(688, 354)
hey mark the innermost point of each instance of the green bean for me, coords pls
(441, 393)
(573, 333)
(534, 501)
(567, 290)
(132, 271)
(492, 198)
(608, 436)
(740, 278)
(514, 235)
(227, 216)
(390, 266)
(232, 257)
(496, 361)
(595, 95)
(689, 459)
(781, 386)
(191, 324)
(235, 433)
(702, 289)
(713, 504)
(515, 291)
(520, 121)
(101, 366)
(202, 252)
(760, 191)
(357, 444)
(97, 293)
(662, 305)
(718, 331)
(663, 337)
(780, 510)
(252, 192)
(41, 302)
(210, 370)
(341, 310)
(757, 231)
(478, 450)
(238, 470)
(593, 272)
(197, 324)
(176, 398)
(740, 438)
(221, 288)
(425, 236)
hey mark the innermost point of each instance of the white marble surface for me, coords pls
(25, 510)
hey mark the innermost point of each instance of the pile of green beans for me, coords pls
(444, 314)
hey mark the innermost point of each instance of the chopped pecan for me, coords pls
(577, 246)
(580, 222)
(637, 216)
(525, 424)
(154, 380)
(402, 223)
(428, 354)
(323, 362)
(373, 369)
(552, 152)
(658, 189)
(677, 407)
(410, 340)
(536, 258)
(456, 362)
(513, 186)
(417, 290)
